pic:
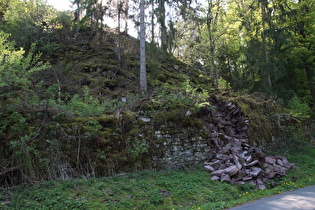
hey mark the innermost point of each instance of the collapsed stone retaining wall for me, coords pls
(221, 123)
(130, 141)
(226, 145)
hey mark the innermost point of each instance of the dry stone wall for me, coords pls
(182, 148)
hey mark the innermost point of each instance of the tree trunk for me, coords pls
(119, 8)
(78, 15)
(126, 14)
(162, 19)
(264, 41)
(212, 19)
(311, 81)
(152, 22)
(143, 77)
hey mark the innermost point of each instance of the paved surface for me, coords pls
(300, 199)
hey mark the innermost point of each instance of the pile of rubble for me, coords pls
(238, 163)
(235, 161)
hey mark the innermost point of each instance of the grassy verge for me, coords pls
(173, 189)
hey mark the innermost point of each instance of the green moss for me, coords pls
(106, 119)
(162, 77)
(106, 133)
(169, 116)
(193, 122)
(134, 132)
(129, 114)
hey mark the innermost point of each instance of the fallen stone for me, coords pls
(215, 178)
(223, 157)
(209, 168)
(226, 178)
(232, 170)
(284, 160)
(213, 162)
(289, 165)
(255, 171)
(246, 178)
(241, 173)
(270, 160)
(248, 158)
(218, 172)
(237, 162)
(279, 162)
(252, 163)
(260, 184)
(279, 170)
(271, 175)
(144, 119)
(240, 182)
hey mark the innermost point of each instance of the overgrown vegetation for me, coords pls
(173, 189)
(70, 105)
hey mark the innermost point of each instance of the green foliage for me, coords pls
(86, 105)
(29, 22)
(15, 124)
(92, 128)
(223, 84)
(18, 134)
(185, 97)
(136, 147)
(17, 67)
(298, 107)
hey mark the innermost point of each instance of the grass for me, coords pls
(171, 189)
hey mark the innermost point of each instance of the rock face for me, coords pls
(235, 161)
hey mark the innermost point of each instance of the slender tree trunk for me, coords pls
(78, 15)
(102, 13)
(143, 77)
(126, 14)
(162, 20)
(213, 64)
(119, 8)
(152, 22)
(311, 81)
(211, 27)
(264, 42)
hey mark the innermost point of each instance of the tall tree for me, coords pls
(78, 14)
(264, 18)
(143, 77)
(126, 15)
(214, 16)
(303, 25)
(152, 14)
(162, 22)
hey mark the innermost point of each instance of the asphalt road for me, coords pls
(300, 199)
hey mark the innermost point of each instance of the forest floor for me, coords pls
(189, 188)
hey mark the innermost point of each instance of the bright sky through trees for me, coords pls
(61, 4)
